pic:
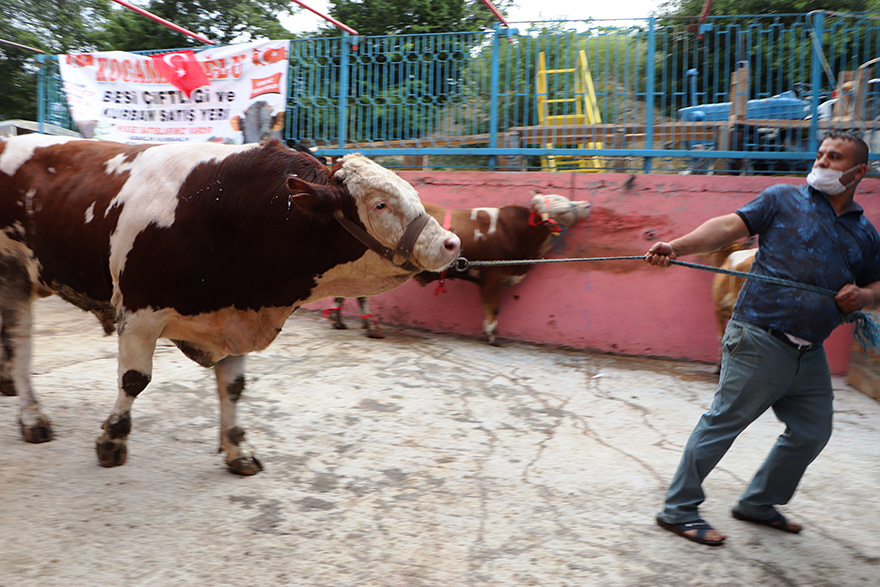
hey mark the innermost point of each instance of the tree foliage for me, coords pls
(222, 21)
(412, 17)
(53, 26)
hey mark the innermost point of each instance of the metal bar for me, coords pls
(161, 20)
(816, 79)
(496, 12)
(41, 92)
(649, 89)
(509, 152)
(493, 103)
(329, 19)
(25, 47)
(343, 91)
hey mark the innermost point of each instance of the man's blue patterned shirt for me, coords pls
(802, 239)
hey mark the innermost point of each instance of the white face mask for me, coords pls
(828, 180)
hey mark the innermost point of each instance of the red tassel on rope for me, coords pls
(441, 288)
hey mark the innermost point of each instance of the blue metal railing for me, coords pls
(469, 100)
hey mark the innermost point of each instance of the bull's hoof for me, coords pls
(111, 453)
(36, 433)
(340, 326)
(245, 466)
(495, 342)
(374, 334)
(7, 387)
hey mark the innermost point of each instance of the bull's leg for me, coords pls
(138, 334)
(16, 337)
(490, 296)
(370, 322)
(230, 385)
(7, 385)
(16, 321)
(335, 314)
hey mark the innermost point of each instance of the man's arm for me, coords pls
(709, 236)
(852, 297)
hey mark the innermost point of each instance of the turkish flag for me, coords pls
(182, 70)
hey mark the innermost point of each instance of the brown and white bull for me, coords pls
(492, 234)
(211, 246)
(725, 288)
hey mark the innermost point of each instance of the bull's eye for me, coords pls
(380, 206)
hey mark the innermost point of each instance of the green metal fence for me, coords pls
(746, 93)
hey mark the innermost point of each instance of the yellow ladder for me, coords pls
(586, 111)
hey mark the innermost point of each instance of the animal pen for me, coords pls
(745, 94)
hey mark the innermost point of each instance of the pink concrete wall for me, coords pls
(614, 306)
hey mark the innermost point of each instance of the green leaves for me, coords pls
(396, 17)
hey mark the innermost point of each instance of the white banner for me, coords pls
(125, 97)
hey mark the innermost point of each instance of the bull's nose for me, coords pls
(452, 243)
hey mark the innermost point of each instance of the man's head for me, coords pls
(858, 146)
(841, 163)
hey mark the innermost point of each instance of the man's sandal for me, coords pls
(778, 522)
(701, 526)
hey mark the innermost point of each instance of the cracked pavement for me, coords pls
(417, 460)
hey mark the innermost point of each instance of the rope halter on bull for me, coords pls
(404, 245)
(538, 217)
(867, 329)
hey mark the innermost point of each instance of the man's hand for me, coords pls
(852, 297)
(660, 254)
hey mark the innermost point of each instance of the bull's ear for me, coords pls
(311, 197)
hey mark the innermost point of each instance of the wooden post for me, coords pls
(512, 140)
(739, 94)
(860, 91)
(413, 163)
(842, 109)
(739, 98)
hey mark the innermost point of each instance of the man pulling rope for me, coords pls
(772, 353)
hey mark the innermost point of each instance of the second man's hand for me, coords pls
(660, 254)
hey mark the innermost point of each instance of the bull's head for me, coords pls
(557, 210)
(382, 211)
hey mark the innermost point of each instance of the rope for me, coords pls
(867, 329)
(462, 264)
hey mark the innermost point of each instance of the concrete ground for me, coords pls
(417, 460)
